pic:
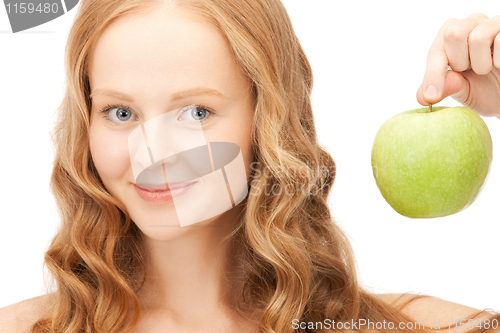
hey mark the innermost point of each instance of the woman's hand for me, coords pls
(471, 48)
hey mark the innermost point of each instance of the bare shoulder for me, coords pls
(429, 309)
(19, 317)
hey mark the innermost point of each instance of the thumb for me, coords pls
(454, 85)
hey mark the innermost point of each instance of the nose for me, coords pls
(166, 136)
(158, 145)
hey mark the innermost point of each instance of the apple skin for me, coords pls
(432, 164)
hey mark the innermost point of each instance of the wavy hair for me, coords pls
(291, 259)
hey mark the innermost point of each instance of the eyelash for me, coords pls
(109, 107)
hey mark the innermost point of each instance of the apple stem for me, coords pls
(430, 107)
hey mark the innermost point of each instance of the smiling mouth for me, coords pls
(167, 187)
(161, 196)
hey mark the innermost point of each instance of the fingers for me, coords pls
(466, 44)
(481, 40)
(456, 45)
(496, 55)
(431, 90)
(455, 85)
(456, 41)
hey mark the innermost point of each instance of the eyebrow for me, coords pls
(177, 96)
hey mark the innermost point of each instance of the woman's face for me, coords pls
(150, 64)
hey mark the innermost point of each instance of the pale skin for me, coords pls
(186, 291)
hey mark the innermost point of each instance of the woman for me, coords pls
(275, 261)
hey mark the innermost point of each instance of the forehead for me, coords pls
(162, 48)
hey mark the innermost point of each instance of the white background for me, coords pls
(368, 59)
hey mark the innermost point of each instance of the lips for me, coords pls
(164, 196)
(167, 187)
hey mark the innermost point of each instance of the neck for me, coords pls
(185, 275)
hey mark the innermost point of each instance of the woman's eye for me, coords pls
(196, 113)
(120, 114)
(117, 113)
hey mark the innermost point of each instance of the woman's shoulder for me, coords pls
(20, 316)
(429, 309)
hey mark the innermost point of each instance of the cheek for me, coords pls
(244, 139)
(238, 130)
(109, 152)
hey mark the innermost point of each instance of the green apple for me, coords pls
(430, 164)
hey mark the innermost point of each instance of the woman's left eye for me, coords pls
(197, 113)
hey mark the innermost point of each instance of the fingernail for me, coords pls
(431, 92)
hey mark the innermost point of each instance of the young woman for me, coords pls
(125, 261)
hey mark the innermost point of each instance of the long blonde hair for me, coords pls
(291, 260)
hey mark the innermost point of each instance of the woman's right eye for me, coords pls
(117, 113)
